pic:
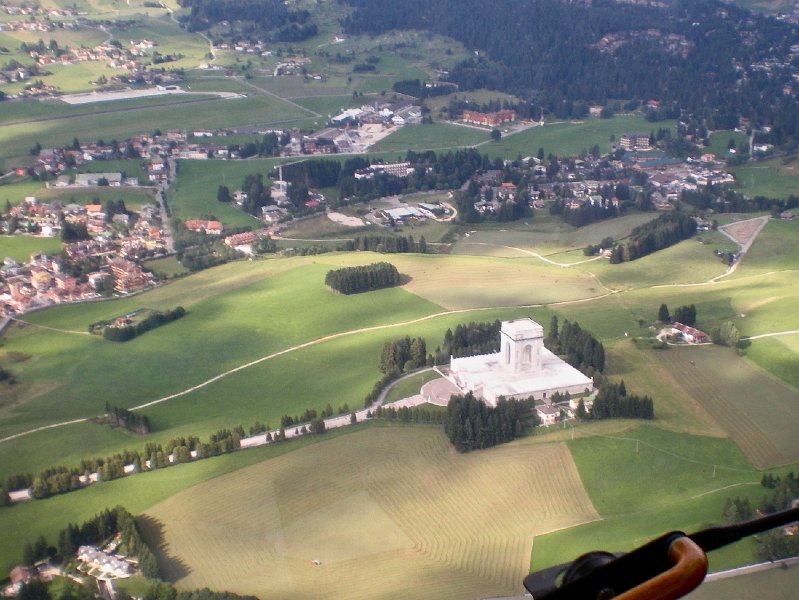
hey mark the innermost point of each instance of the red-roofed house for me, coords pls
(210, 227)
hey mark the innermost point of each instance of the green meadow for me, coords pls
(434, 136)
(720, 140)
(108, 123)
(775, 178)
(565, 138)
(20, 247)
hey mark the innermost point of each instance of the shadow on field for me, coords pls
(152, 530)
(404, 279)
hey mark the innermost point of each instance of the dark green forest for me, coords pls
(695, 56)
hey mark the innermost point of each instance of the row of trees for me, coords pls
(62, 479)
(364, 278)
(576, 345)
(407, 414)
(389, 244)
(685, 314)
(470, 424)
(155, 319)
(613, 402)
(468, 340)
(122, 417)
(667, 230)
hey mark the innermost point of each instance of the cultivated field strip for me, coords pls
(699, 383)
(389, 512)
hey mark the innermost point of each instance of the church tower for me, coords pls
(521, 343)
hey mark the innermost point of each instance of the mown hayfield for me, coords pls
(28, 520)
(759, 412)
(779, 355)
(545, 235)
(476, 282)
(421, 520)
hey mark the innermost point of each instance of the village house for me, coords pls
(492, 119)
(689, 334)
(209, 227)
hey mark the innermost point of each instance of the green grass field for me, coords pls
(47, 517)
(545, 235)
(414, 522)
(108, 123)
(776, 178)
(20, 247)
(647, 482)
(570, 137)
(719, 142)
(435, 136)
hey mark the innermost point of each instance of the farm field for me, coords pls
(775, 248)
(134, 198)
(646, 482)
(47, 517)
(758, 412)
(413, 523)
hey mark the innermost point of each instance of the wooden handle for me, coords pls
(689, 570)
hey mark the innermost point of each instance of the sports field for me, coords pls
(421, 521)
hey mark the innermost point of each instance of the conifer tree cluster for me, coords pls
(777, 543)
(156, 319)
(352, 280)
(122, 417)
(470, 424)
(97, 530)
(613, 402)
(576, 346)
(667, 230)
(402, 355)
(391, 244)
(469, 340)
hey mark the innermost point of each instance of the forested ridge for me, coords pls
(697, 56)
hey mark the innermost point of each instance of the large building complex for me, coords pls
(522, 368)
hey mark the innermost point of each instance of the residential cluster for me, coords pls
(87, 269)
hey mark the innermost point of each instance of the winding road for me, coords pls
(360, 330)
